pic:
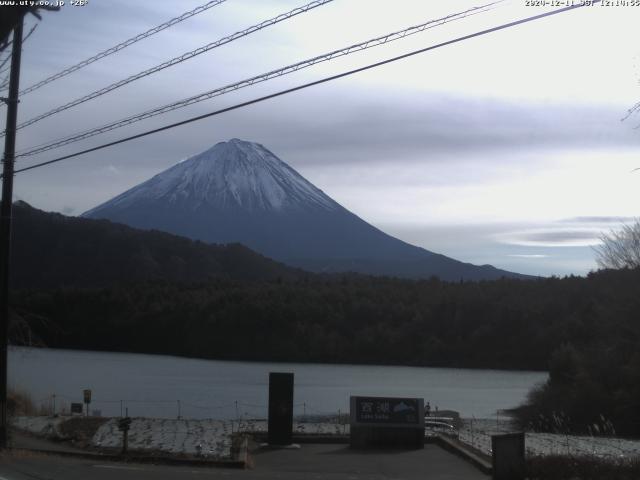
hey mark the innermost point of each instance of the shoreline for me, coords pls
(280, 362)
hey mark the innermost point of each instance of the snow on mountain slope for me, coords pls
(233, 174)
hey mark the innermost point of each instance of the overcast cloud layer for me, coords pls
(506, 149)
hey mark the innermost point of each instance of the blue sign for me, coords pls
(387, 410)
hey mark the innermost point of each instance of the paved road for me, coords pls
(340, 462)
(318, 462)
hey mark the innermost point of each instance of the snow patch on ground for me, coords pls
(41, 426)
(212, 438)
(477, 433)
(205, 437)
(209, 438)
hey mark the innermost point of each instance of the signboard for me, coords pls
(280, 427)
(387, 422)
(405, 411)
(76, 408)
(87, 396)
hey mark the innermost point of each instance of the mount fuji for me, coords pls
(238, 191)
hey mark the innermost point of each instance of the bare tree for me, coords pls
(620, 248)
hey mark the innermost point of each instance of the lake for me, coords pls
(165, 386)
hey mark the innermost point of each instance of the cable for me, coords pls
(209, 407)
(310, 84)
(631, 111)
(374, 42)
(8, 57)
(4, 62)
(125, 44)
(174, 61)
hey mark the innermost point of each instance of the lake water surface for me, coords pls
(163, 386)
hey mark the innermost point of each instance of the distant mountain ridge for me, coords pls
(50, 250)
(238, 191)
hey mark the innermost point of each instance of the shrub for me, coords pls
(19, 403)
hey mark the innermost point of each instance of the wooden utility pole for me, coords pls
(5, 222)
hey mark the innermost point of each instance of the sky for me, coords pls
(507, 149)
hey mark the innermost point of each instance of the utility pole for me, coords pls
(5, 223)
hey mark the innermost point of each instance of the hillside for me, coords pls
(52, 250)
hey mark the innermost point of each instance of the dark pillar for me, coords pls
(508, 456)
(280, 408)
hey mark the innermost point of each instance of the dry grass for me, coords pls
(80, 430)
(558, 467)
(19, 403)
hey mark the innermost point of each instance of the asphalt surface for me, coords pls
(311, 461)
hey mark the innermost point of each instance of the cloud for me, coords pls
(336, 128)
(581, 231)
(599, 219)
(528, 255)
(552, 237)
(428, 128)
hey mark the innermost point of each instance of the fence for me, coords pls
(477, 433)
(56, 404)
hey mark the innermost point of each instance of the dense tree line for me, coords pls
(586, 331)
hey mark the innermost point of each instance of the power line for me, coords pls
(310, 84)
(174, 61)
(631, 111)
(374, 42)
(125, 44)
(4, 62)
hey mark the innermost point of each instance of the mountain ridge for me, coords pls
(51, 250)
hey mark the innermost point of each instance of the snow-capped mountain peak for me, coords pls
(234, 174)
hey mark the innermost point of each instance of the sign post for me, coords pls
(387, 422)
(123, 425)
(87, 400)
